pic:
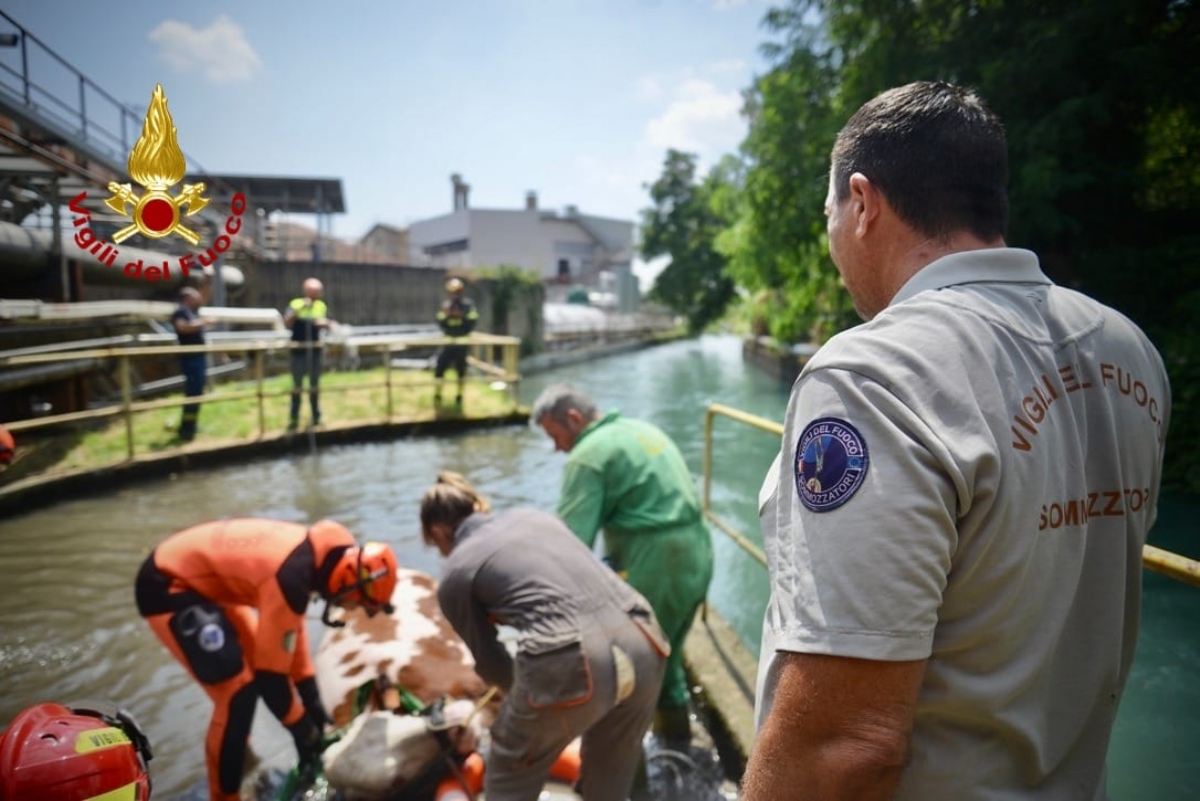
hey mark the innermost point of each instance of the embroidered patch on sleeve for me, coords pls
(831, 463)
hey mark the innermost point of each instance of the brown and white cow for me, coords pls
(415, 647)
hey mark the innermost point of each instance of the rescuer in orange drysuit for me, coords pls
(228, 599)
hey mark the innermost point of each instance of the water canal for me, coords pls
(69, 630)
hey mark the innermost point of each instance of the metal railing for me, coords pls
(1174, 565)
(65, 107)
(495, 357)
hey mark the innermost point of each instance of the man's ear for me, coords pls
(868, 203)
(575, 417)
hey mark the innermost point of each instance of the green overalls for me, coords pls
(627, 477)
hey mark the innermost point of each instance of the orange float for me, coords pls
(565, 769)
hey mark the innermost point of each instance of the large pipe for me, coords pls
(17, 378)
(24, 254)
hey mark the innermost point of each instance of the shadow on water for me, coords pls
(69, 629)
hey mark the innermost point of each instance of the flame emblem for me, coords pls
(157, 163)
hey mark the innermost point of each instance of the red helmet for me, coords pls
(85, 751)
(364, 575)
(8, 446)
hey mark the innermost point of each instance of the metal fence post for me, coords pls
(258, 376)
(387, 378)
(127, 403)
(708, 430)
(512, 355)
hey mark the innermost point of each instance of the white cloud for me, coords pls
(701, 118)
(221, 51)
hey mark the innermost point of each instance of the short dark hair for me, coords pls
(936, 152)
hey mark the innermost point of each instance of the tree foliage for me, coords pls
(687, 216)
(1101, 102)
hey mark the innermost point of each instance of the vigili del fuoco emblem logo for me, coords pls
(157, 164)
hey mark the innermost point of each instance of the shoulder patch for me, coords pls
(831, 463)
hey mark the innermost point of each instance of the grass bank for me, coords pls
(348, 399)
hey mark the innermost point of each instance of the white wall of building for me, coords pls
(536, 240)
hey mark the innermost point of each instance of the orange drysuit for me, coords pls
(228, 600)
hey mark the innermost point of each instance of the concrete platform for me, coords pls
(726, 671)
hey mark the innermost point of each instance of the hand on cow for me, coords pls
(307, 737)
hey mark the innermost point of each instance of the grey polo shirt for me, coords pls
(969, 478)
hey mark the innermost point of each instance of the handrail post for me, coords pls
(708, 430)
(512, 360)
(83, 107)
(25, 65)
(127, 403)
(258, 376)
(387, 378)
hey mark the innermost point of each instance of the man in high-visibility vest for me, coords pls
(306, 317)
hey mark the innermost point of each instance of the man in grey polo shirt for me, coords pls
(955, 520)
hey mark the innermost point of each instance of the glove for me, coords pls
(317, 714)
(313, 707)
(307, 738)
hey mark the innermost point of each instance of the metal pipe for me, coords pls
(1171, 564)
(31, 376)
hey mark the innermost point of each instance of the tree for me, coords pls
(683, 224)
(1101, 103)
(777, 246)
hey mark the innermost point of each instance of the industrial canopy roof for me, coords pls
(273, 193)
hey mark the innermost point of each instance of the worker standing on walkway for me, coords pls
(627, 477)
(307, 316)
(590, 656)
(228, 600)
(457, 318)
(189, 328)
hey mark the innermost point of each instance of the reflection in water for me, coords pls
(70, 630)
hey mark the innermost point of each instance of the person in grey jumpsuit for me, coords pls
(590, 654)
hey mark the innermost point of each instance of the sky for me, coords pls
(577, 100)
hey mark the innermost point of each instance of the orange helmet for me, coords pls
(364, 575)
(85, 751)
(454, 286)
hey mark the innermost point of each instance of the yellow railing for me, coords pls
(1178, 567)
(482, 345)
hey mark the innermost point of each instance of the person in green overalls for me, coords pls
(627, 477)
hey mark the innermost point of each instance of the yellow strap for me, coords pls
(126, 793)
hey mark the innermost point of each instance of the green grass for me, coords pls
(237, 420)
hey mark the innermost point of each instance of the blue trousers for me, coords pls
(194, 366)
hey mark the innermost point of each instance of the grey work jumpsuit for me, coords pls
(590, 656)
